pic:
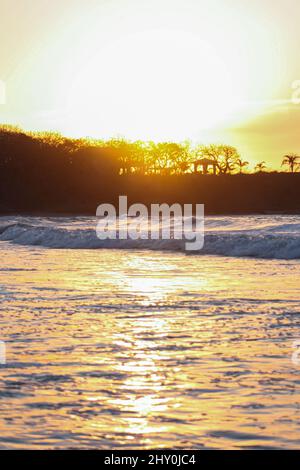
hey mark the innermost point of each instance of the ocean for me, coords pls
(138, 344)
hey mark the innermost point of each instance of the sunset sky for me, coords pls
(217, 70)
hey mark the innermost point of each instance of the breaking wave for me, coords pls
(259, 237)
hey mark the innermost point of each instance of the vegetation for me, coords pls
(46, 171)
(147, 158)
(241, 164)
(260, 167)
(292, 162)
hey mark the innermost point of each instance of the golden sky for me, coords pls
(217, 70)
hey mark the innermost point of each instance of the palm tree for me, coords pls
(241, 164)
(260, 167)
(292, 161)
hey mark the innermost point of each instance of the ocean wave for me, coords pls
(280, 242)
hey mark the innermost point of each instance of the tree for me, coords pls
(241, 164)
(159, 157)
(260, 167)
(211, 151)
(228, 159)
(131, 155)
(225, 157)
(292, 161)
(181, 157)
(168, 157)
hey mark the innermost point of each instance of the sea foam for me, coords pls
(257, 236)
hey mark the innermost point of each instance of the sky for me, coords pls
(208, 71)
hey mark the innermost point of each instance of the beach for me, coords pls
(140, 348)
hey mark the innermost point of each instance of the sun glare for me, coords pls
(162, 84)
(159, 70)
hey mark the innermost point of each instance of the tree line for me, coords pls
(45, 153)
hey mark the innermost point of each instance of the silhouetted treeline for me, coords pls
(46, 172)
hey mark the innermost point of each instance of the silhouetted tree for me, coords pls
(260, 167)
(45, 171)
(292, 161)
(241, 164)
(225, 157)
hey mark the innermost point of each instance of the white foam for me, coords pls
(257, 236)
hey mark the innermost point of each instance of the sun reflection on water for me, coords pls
(112, 349)
(145, 383)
